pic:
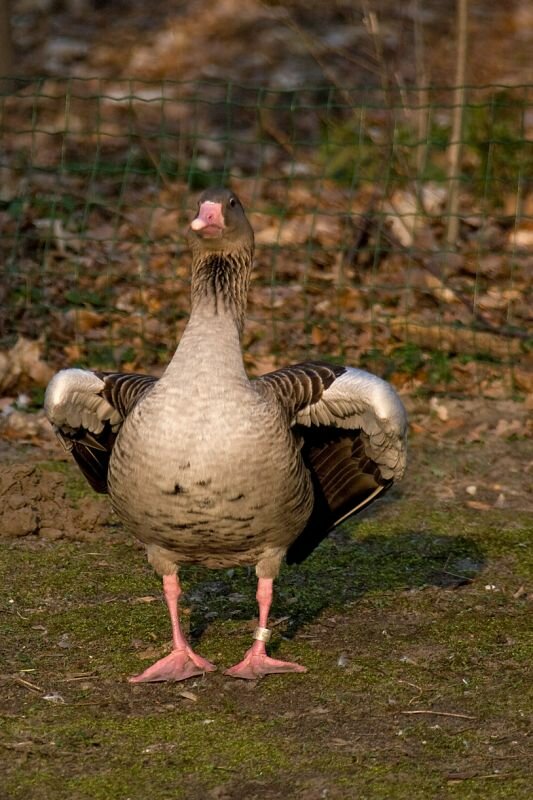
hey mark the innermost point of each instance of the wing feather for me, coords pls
(87, 410)
(353, 429)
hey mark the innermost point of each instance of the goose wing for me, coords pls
(353, 427)
(87, 409)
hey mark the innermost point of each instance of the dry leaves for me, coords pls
(22, 365)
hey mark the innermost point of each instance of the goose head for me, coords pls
(222, 243)
(220, 224)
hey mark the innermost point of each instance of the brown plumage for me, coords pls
(206, 466)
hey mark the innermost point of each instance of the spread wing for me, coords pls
(87, 409)
(353, 430)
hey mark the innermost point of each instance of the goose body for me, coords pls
(196, 455)
(207, 466)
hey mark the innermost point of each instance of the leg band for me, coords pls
(262, 634)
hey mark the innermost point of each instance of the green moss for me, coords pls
(150, 753)
(400, 595)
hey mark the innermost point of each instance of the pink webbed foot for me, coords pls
(182, 662)
(177, 666)
(256, 664)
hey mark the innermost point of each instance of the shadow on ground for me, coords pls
(340, 571)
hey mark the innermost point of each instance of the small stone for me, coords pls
(439, 409)
(50, 533)
(20, 522)
(188, 695)
(500, 501)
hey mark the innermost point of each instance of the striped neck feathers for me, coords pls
(221, 281)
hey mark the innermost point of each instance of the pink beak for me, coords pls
(210, 220)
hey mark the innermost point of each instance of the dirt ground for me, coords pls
(413, 622)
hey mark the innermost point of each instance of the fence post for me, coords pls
(6, 48)
(454, 170)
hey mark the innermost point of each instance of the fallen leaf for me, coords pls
(83, 320)
(439, 409)
(73, 352)
(478, 505)
(148, 598)
(20, 425)
(23, 361)
(317, 336)
(523, 378)
(151, 653)
(188, 695)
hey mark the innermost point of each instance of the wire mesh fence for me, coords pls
(350, 193)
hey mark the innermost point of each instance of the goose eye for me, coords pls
(232, 202)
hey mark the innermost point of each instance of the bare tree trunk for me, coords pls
(422, 101)
(454, 171)
(6, 47)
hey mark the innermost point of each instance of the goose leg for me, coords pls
(182, 662)
(256, 663)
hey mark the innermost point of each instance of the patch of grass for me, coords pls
(361, 149)
(400, 595)
(494, 131)
(84, 297)
(160, 748)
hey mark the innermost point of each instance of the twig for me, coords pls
(314, 52)
(279, 621)
(28, 685)
(371, 23)
(422, 100)
(439, 713)
(95, 201)
(7, 67)
(361, 231)
(80, 677)
(451, 339)
(275, 132)
(422, 83)
(483, 777)
(157, 166)
(457, 124)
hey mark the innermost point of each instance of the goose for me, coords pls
(207, 466)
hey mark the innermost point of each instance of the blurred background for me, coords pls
(384, 155)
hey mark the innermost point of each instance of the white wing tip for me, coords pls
(62, 386)
(383, 397)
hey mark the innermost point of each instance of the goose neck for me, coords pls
(219, 285)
